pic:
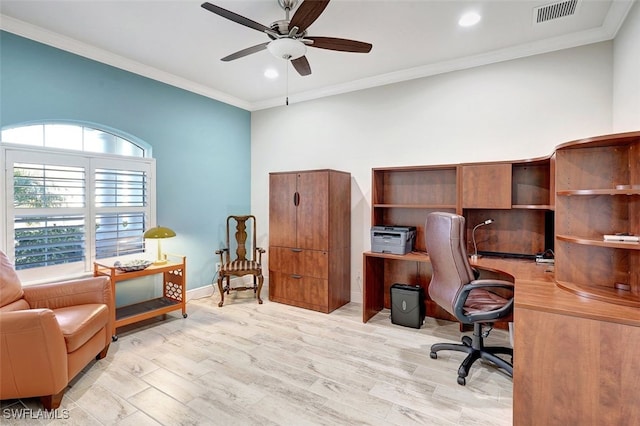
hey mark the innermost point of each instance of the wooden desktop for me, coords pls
(382, 270)
(576, 324)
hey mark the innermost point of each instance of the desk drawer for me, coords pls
(308, 263)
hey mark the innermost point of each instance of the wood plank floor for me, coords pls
(272, 364)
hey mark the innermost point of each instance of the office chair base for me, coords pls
(476, 350)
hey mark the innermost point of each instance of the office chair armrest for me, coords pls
(489, 283)
(485, 284)
(503, 288)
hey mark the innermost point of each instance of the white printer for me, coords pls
(393, 239)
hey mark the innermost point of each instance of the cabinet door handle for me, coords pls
(296, 198)
(296, 250)
(296, 276)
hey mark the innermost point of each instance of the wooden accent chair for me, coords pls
(479, 302)
(241, 265)
(49, 333)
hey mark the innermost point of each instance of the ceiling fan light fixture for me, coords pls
(287, 48)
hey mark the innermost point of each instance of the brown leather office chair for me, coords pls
(49, 333)
(454, 287)
(241, 265)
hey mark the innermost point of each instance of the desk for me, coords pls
(173, 291)
(576, 357)
(381, 270)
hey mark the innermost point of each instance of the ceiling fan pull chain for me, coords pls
(287, 84)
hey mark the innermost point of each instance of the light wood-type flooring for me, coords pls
(273, 364)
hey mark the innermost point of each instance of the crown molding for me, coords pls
(74, 46)
(611, 25)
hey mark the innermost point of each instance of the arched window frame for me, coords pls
(102, 216)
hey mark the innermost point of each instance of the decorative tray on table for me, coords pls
(133, 265)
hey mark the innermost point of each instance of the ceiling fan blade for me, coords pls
(340, 44)
(307, 13)
(234, 17)
(245, 52)
(301, 65)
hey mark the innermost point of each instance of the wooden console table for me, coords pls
(173, 291)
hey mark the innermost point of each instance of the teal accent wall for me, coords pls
(202, 146)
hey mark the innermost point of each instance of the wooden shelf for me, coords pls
(415, 206)
(611, 191)
(532, 206)
(414, 256)
(599, 242)
(604, 294)
(148, 309)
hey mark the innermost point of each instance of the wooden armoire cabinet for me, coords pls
(310, 238)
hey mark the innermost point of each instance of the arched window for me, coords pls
(71, 136)
(74, 194)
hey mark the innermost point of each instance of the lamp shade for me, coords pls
(287, 48)
(159, 232)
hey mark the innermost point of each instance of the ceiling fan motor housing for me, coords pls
(282, 28)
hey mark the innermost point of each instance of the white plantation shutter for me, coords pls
(121, 199)
(67, 209)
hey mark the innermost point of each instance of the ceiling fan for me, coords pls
(289, 38)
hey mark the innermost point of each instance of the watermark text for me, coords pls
(30, 414)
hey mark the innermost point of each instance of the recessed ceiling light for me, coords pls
(469, 19)
(271, 73)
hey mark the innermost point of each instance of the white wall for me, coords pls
(626, 74)
(512, 110)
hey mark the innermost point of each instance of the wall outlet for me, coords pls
(218, 266)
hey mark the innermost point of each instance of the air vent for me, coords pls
(554, 11)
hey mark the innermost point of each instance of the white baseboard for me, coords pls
(200, 292)
(209, 290)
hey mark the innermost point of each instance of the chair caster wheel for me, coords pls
(219, 304)
(114, 338)
(184, 315)
(462, 381)
(259, 302)
(466, 340)
(433, 355)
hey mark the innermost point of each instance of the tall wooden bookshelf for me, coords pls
(517, 195)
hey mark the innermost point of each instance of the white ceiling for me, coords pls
(180, 43)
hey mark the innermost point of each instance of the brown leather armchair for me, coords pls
(454, 287)
(49, 333)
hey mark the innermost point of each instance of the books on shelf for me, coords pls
(624, 238)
